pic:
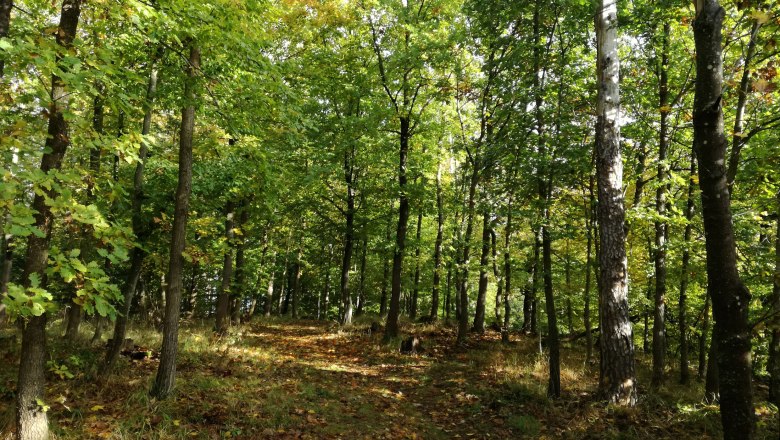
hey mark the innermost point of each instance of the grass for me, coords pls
(301, 379)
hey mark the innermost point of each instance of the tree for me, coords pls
(166, 372)
(730, 297)
(31, 419)
(617, 379)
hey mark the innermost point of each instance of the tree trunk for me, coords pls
(617, 379)
(237, 291)
(773, 365)
(507, 272)
(349, 237)
(463, 285)
(140, 230)
(589, 269)
(705, 331)
(392, 326)
(166, 372)
(386, 263)
(434, 315)
(712, 382)
(223, 294)
(31, 419)
(87, 246)
(269, 293)
(497, 275)
(448, 298)
(661, 228)
(361, 300)
(567, 274)
(295, 291)
(533, 328)
(479, 312)
(416, 284)
(686, 257)
(737, 138)
(730, 298)
(326, 290)
(553, 341)
(5, 24)
(7, 244)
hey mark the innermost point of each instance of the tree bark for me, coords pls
(416, 284)
(238, 288)
(737, 138)
(386, 264)
(87, 245)
(326, 291)
(773, 365)
(533, 327)
(553, 340)
(7, 245)
(617, 379)
(661, 228)
(479, 309)
(392, 327)
(269, 293)
(730, 298)
(224, 292)
(31, 419)
(361, 299)
(590, 207)
(5, 24)
(166, 372)
(435, 291)
(140, 230)
(349, 237)
(705, 331)
(686, 257)
(507, 272)
(295, 291)
(463, 285)
(711, 381)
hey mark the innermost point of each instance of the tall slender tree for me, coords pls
(31, 420)
(617, 379)
(166, 372)
(730, 297)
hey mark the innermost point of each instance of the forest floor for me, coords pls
(312, 380)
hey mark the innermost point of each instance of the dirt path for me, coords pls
(354, 387)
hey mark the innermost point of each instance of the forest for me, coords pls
(390, 219)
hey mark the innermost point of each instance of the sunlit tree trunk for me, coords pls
(617, 379)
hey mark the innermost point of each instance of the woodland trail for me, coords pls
(356, 388)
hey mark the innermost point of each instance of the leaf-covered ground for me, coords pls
(312, 380)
